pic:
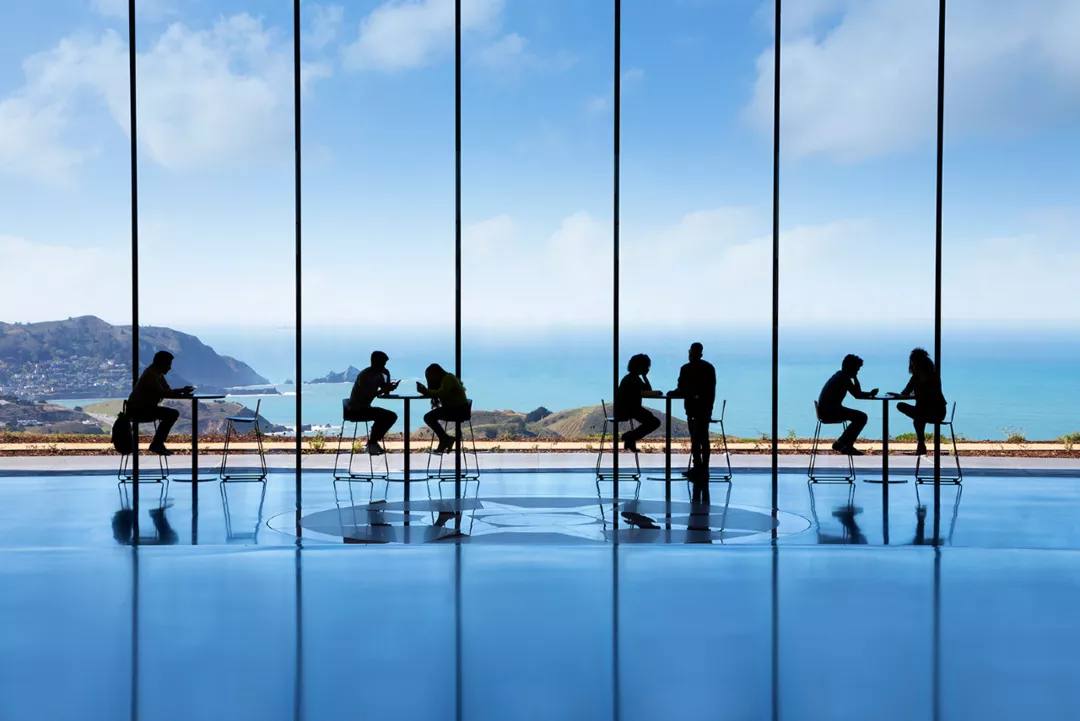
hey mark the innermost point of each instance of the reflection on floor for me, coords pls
(541, 507)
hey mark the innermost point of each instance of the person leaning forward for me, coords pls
(372, 382)
(144, 401)
(831, 408)
(448, 403)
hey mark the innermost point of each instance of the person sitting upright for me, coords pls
(633, 387)
(149, 391)
(372, 382)
(925, 388)
(697, 388)
(448, 403)
(831, 408)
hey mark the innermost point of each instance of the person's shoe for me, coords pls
(840, 447)
(630, 446)
(159, 449)
(374, 449)
(446, 446)
(920, 450)
(853, 451)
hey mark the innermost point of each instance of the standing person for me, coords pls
(925, 388)
(149, 391)
(448, 403)
(372, 382)
(697, 388)
(831, 408)
(633, 387)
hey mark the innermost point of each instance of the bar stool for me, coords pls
(126, 474)
(958, 478)
(348, 474)
(821, 478)
(609, 475)
(469, 471)
(248, 475)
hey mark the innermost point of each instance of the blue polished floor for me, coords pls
(247, 625)
(993, 511)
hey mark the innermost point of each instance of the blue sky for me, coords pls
(857, 218)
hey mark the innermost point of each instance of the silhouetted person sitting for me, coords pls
(831, 407)
(697, 388)
(123, 524)
(373, 381)
(925, 388)
(852, 533)
(448, 403)
(633, 387)
(150, 390)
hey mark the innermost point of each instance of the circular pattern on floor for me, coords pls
(542, 520)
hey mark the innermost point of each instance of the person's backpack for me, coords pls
(121, 434)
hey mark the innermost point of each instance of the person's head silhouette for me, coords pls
(379, 359)
(434, 375)
(163, 361)
(639, 364)
(851, 365)
(919, 362)
(696, 351)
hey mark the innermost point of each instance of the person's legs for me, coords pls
(382, 420)
(432, 419)
(912, 412)
(856, 422)
(919, 418)
(166, 418)
(647, 423)
(700, 449)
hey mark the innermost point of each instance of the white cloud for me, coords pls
(31, 140)
(503, 52)
(148, 10)
(599, 104)
(510, 54)
(53, 280)
(859, 77)
(404, 34)
(487, 235)
(708, 268)
(49, 282)
(206, 97)
(324, 26)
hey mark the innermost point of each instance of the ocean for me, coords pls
(1019, 380)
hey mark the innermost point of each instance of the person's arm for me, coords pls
(646, 389)
(680, 385)
(909, 389)
(857, 391)
(386, 386)
(168, 392)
